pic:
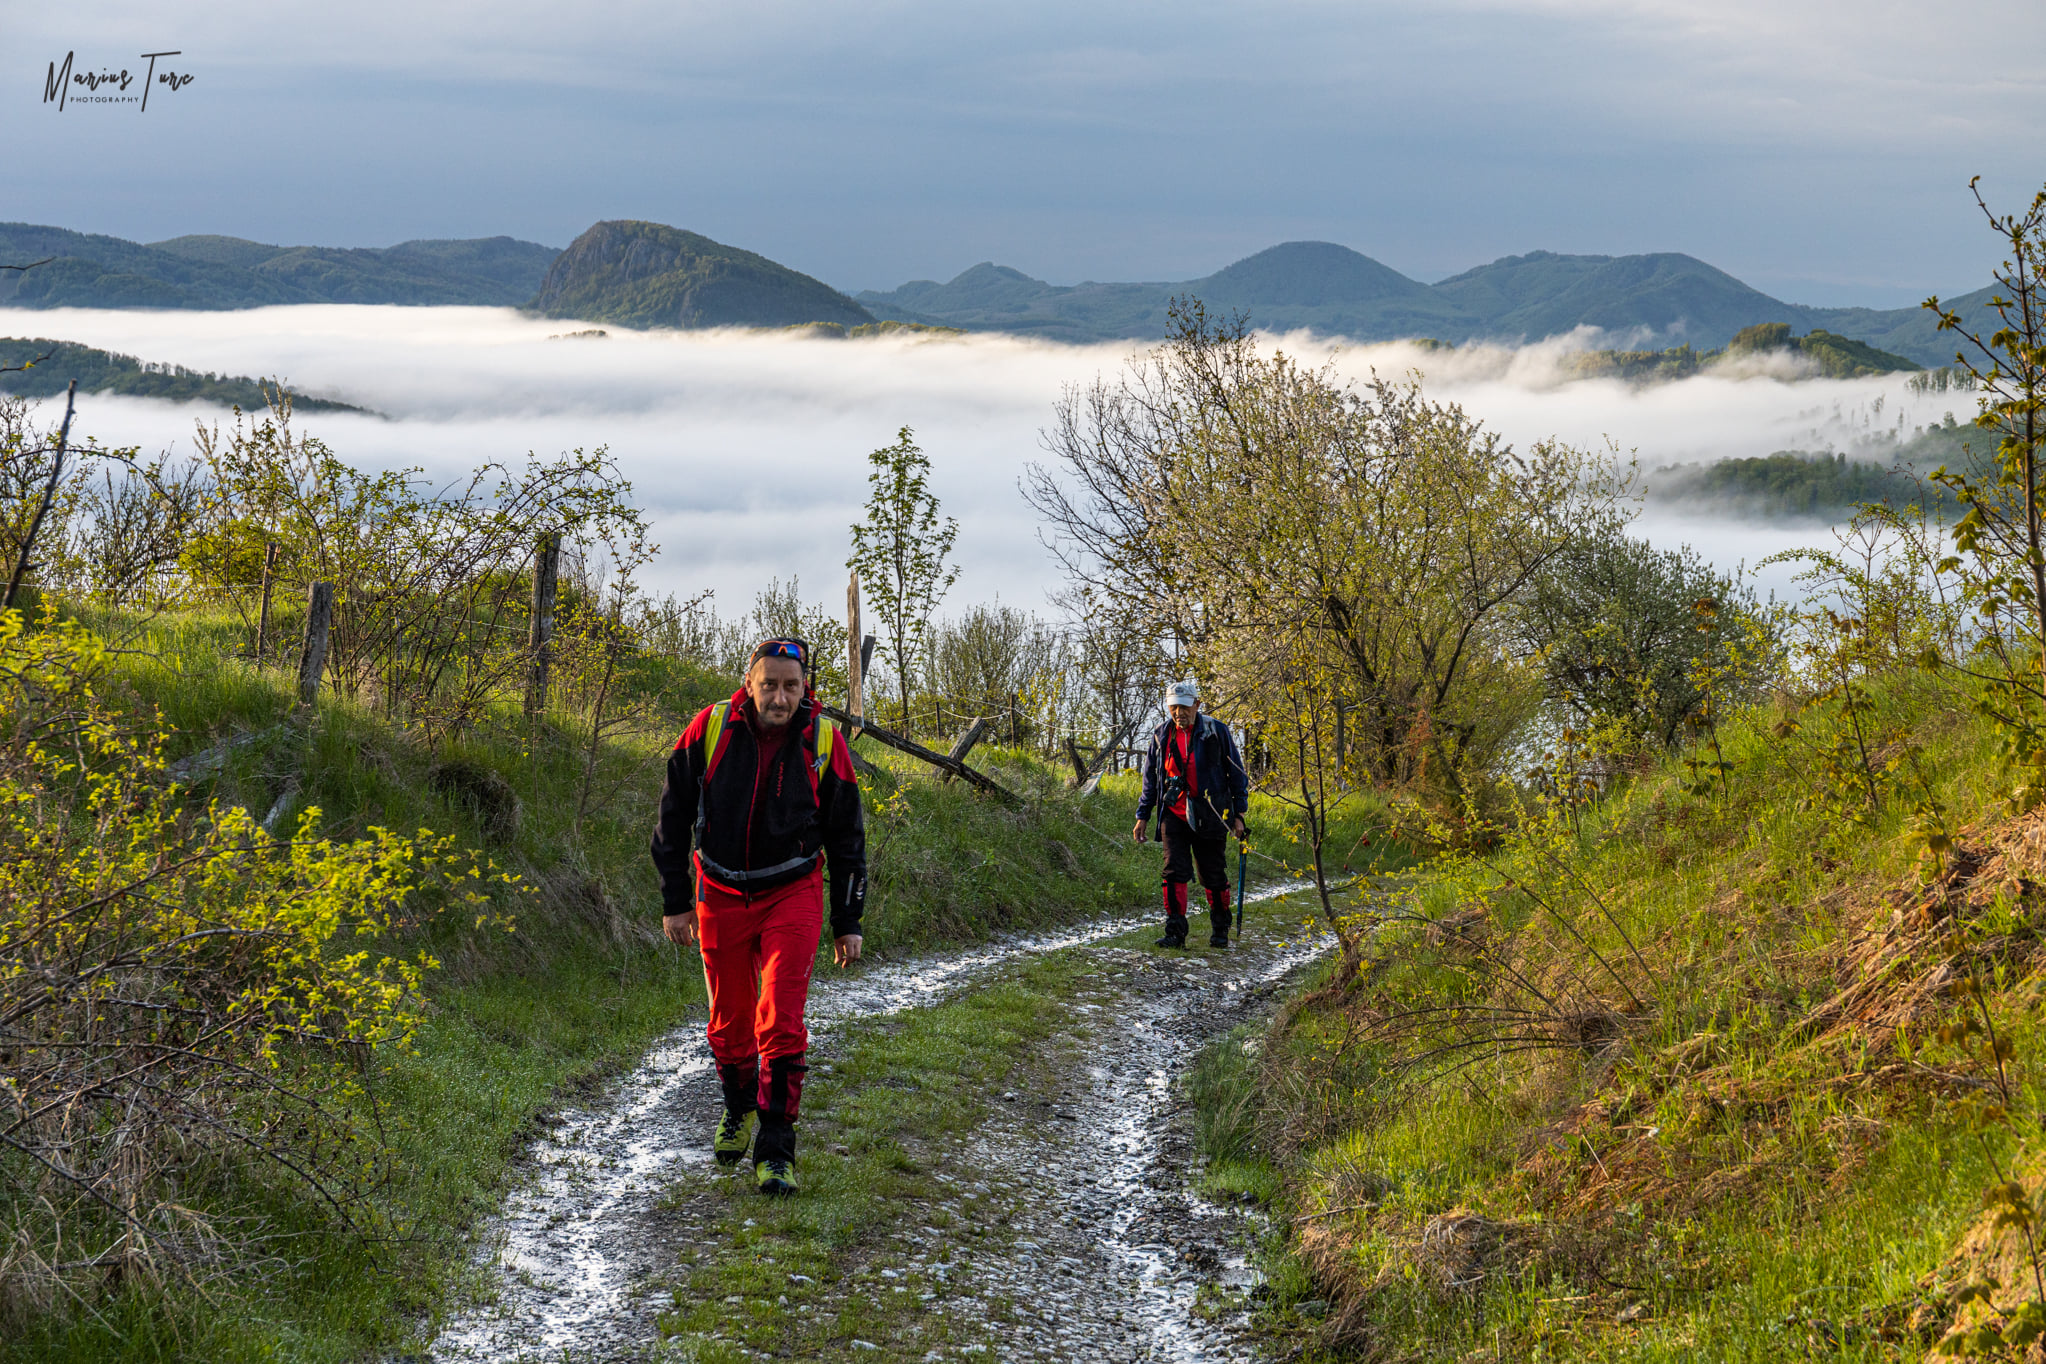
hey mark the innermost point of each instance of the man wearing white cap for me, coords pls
(1195, 780)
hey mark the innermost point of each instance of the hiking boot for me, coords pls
(1218, 942)
(732, 1138)
(775, 1178)
(1172, 940)
(1175, 931)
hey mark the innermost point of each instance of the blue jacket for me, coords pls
(1223, 787)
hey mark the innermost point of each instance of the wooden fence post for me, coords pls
(319, 625)
(918, 751)
(1083, 770)
(540, 642)
(965, 745)
(855, 656)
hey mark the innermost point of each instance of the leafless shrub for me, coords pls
(132, 522)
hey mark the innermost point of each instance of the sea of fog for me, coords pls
(748, 449)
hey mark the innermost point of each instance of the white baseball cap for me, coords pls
(1182, 694)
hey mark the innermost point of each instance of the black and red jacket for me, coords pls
(754, 830)
(1222, 789)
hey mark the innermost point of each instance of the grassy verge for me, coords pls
(1667, 1080)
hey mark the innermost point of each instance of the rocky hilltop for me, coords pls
(637, 274)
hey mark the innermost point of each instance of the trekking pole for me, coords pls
(1242, 857)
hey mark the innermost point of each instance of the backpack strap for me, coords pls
(713, 749)
(713, 735)
(826, 734)
(714, 741)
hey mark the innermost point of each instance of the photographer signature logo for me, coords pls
(63, 85)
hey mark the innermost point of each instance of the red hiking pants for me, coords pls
(757, 955)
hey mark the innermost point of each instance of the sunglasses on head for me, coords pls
(793, 649)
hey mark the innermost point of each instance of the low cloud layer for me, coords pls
(749, 448)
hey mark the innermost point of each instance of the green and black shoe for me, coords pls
(734, 1135)
(776, 1178)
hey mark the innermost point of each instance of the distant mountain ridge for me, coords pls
(640, 274)
(1333, 290)
(205, 272)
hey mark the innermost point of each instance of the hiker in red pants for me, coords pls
(1195, 780)
(762, 787)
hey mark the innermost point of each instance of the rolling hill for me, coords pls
(1545, 294)
(1333, 290)
(208, 272)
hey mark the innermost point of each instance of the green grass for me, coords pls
(1712, 1181)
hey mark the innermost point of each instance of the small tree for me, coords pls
(1295, 711)
(1614, 628)
(1228, 499)
(901, 550)
(988, 656)
(2003, 530)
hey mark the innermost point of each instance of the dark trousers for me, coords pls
(1185, 852)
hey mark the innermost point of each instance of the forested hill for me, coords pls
(40, 368)
(90, 271)
(638, 274)
(1333, 290)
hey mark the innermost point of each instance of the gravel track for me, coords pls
(582, 1241)
(1114, 1250)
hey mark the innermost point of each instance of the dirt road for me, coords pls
(1105, 1249)
(1115, 1255)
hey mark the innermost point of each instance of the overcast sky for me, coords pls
(1819, 150)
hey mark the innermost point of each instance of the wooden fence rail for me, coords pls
(854, 726)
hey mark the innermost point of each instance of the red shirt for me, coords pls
(770, 748)
(1179, 761)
